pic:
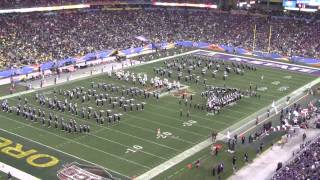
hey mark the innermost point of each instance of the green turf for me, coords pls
(5, 89)
(208, 161)
(106, 145)
(4, 176)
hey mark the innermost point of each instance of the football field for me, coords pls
(131, 145)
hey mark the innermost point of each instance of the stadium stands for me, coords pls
(34, 37)
(32, 3)
(10, 4)
(189, 1)
(305, 166)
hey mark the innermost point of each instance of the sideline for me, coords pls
(16, 172)
(77, 75)
(65, 153)
(236, 128)
(195, 149)
(267, 162)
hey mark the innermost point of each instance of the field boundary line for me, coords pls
(71, 140)
(94, 134)
(221, 136)
(149, 62)
(263, 111)
(17, 94)
(188, 153)
(15, 172)
(166, 125)
(261, 59)
(62, 152)
(108, 128)
(105, 139)
(78, 78)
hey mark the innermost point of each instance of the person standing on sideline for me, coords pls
(214, 171)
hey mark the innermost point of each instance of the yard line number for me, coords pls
(164, 135)
(134, 149)
(189, 123)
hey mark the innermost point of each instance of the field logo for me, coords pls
(262, 89)
(182, 91)
(287, 77)
(76, 171)
(283, 88)
(276, 83)
(32, 156)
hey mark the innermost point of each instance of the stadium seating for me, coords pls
(5, 4)
(190, 1)
(304, 166)
(35, 37)
(32, 3)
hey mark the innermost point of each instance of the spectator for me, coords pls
(305, 166)
(38, 37)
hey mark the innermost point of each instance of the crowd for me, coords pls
(33, 3)
(39, 37)
(189, 1)
(36, 3)
(305, 166)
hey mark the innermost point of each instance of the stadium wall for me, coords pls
(105, 56)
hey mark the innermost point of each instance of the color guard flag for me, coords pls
(228, 134)
(274, 106)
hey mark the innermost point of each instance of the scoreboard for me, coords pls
(295, 3)
(302, 5)
(287, 3)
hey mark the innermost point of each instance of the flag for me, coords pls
(154, 46)
(142, 38)
(228, 134)
(274, 107)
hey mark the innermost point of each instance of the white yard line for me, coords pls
(180, 157)
(105, 139)
(115, 65)
(260, 59)
(188, 153)
(166, 125)
(17, 94)
(76, 142)
(16, 172)
(197, 148)
(62, 152)
(111, 129)
(266, 162)
(150, 154)
(152, 131)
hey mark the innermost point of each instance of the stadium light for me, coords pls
(41, 9)
(212, 6)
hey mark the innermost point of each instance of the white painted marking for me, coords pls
(16, 172)
(189, 123)
(164, 135)
(134, 149)
(189, 152)
(49, 147)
